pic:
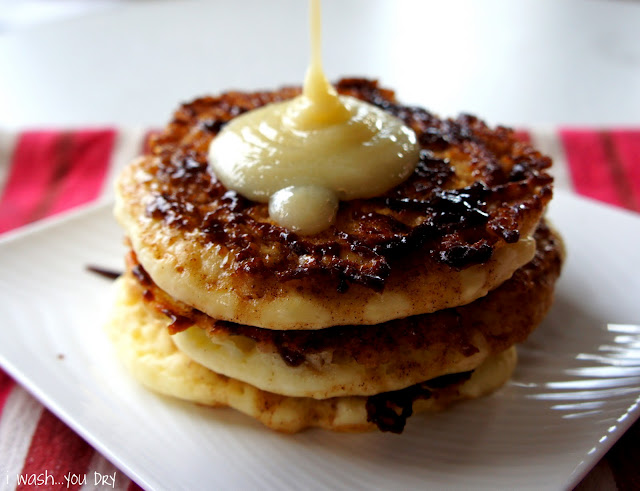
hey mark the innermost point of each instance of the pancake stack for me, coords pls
(409, 302)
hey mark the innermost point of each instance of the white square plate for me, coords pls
(575, 391)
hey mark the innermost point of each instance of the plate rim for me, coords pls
(580, 470)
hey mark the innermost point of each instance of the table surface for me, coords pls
(529, 63)
(522, 63)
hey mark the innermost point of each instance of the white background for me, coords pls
(523, 63)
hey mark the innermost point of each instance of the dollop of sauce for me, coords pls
(304, 208)
(304, 155)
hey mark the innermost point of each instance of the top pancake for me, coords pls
(457, 228)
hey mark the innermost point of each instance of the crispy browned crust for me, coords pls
(474, 189)
(505, 316)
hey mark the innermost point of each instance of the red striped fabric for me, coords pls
(89, 154)
(626, 145)
(52, 171)
(32, 169)
(596, 166)
(134, 487)
(6, 384)
(56, 451)
(523, 135)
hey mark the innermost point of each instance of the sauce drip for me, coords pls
(304, 155)
(104, 272)
(389, 411)
(319, 105)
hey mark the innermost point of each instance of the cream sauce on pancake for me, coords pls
(305, 154)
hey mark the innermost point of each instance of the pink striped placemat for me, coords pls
(43, 173)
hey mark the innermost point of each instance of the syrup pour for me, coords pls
(304, 155)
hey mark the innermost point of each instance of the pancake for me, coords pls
(365, 360)
(456, 229)
(142, 341)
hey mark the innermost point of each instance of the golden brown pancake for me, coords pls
(365, 360)
(411, 301)
(144, 345)
(456, 229)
